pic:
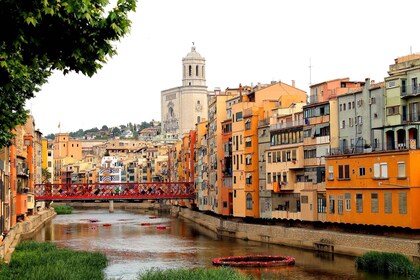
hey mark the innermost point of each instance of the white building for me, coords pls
(182, 107)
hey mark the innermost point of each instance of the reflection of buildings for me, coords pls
(182, 107)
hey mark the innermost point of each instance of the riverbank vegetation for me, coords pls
(196, 274)
(388, 264)
(44, 261)
(63, 209)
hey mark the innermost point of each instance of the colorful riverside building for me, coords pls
(253, 107)
(378, 188)
(378, 183)
(201, 177)
(320, 135)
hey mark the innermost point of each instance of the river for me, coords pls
(132, 246)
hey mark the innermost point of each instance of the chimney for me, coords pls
(293, 83)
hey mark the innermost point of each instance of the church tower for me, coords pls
(194, 69)
(182, 107)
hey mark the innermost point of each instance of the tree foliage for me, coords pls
(40, 36)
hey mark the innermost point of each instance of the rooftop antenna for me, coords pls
(310, 72)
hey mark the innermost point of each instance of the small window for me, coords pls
(340, 206)
(347, 196)
(402, 202)
(330, 172)
(374, 204)
(362, 171)
(344, 171)
(401, 169)
(332, 209)
(359, 203)
(388, 202)
(249, 201)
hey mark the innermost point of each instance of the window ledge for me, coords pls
(343, 179)
(402, 178)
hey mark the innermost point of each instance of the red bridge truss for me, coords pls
(114, 191)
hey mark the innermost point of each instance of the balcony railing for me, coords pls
(284, 125)
(410, 117)
(410, 90)
(390, 146)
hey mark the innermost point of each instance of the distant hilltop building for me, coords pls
(182, 107)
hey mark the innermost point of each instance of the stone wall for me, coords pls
(23, 230)
(341, 243)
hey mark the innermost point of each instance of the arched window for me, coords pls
(249, 201)
(189, 71)
(196, 70)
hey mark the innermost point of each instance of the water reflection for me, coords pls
(132, 247)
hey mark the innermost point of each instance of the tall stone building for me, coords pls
(182, 107)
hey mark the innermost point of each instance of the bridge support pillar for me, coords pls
(111, 206)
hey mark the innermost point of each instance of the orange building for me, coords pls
(64, 146)
(374, 188)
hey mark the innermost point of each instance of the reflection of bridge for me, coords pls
(114, 191)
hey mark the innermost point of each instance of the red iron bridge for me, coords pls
(114, 191)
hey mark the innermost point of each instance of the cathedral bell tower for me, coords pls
(194, 69)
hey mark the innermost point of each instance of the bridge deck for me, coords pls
(114, 191)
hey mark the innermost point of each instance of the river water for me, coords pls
(132, 246)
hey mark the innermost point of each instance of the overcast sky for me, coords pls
(242, 41)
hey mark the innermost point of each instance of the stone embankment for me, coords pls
(23, 230)
(320, 240)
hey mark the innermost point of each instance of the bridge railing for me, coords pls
(107, 190)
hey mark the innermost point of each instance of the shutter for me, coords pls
(388, 202)
(376, 170)
(402, 202)
(384, 170)
(374, 203)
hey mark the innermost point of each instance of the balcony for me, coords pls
(279, 126)
(408, 118)
(410, 90)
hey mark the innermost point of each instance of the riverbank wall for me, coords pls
(312, 239)
(23, 230)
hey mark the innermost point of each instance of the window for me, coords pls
(388, 202)
(248, 125)
(269, 157)
(269, 177)
(340, 205)
(349, 105)
(239, 116)
(248, 160)
(330, 172)
(189, 71)
(248, 179)
(248, 142)
(343, 124)
(351, 122)
(249, 201)
(380, 170)
(332, 209)
(347, 197)
(304, 199)
(414, 85)
(374, 204)
(362, 171)
(393, 110)
(344, 171)
(359, 203)
(344, 106)
(401, 169)
(322, 203)
(403, 86)
(402, 202)
(196, 70)
(49, 164)
(341, 107)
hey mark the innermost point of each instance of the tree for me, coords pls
(46, 176)
(104, 128)
(40, 36)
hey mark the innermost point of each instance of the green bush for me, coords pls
(196, 274)
(33, 260)
(387, 264)
(63, 209)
